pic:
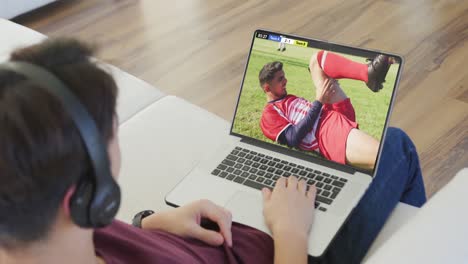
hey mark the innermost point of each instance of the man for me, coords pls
(281, 47)
(42, 158)
(327, 125)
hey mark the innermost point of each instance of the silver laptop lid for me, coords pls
(267, 107)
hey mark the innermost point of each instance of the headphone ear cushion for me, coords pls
(80, 203)
(105, 204)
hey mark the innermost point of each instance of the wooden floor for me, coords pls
(197, 50)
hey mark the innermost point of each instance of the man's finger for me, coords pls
(208, 236)
(302, 186)
(280, 183)
(227, 212)
(266, 193)
(312, 192)
(292, 182)
(216, 213)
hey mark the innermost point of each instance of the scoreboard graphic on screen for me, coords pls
(282, 39)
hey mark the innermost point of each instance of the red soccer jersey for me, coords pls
(280, 114)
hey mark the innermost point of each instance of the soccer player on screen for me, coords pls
(281, 46)
(327, 125)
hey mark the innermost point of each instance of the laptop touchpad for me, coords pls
(247, 208)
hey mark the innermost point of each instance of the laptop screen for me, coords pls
(324, 100)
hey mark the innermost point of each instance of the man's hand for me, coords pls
(325, 91)
(185, 222)
(289, 212)
(289, 208)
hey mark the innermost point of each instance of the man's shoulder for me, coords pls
(290, 97)
(297, 100)
(282, 100)
(267, 112)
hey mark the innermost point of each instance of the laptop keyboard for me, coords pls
(258, 170)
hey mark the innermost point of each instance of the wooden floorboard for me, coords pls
(197, 50)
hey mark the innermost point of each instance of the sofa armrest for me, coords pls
(402, 214)
(15, 36)
(13, 8)
(134, 94)
(438, 233)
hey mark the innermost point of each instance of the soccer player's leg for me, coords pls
(361, 149)
(338, 67)
(318, 77)
(341, 141)
(335, 124)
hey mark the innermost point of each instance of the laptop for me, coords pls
(254, 157)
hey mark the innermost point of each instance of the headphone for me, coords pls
(96, 199)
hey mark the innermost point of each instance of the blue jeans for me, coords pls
(398, 179)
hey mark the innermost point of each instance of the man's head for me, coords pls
(273, 80)
(41, 152)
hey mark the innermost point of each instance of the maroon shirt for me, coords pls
(123, 243)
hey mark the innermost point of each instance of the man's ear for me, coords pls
(66, 200)
(266, 87)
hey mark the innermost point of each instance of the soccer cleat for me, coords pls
(377, 70)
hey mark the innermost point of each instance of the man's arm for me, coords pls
(293, 135)
(289, 213)
(290, 248)
(186, 221)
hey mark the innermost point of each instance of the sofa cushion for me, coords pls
(160, 145)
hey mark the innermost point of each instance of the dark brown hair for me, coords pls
(267, 73)
(41, 152)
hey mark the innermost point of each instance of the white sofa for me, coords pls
(162, 137)
(12, 8)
